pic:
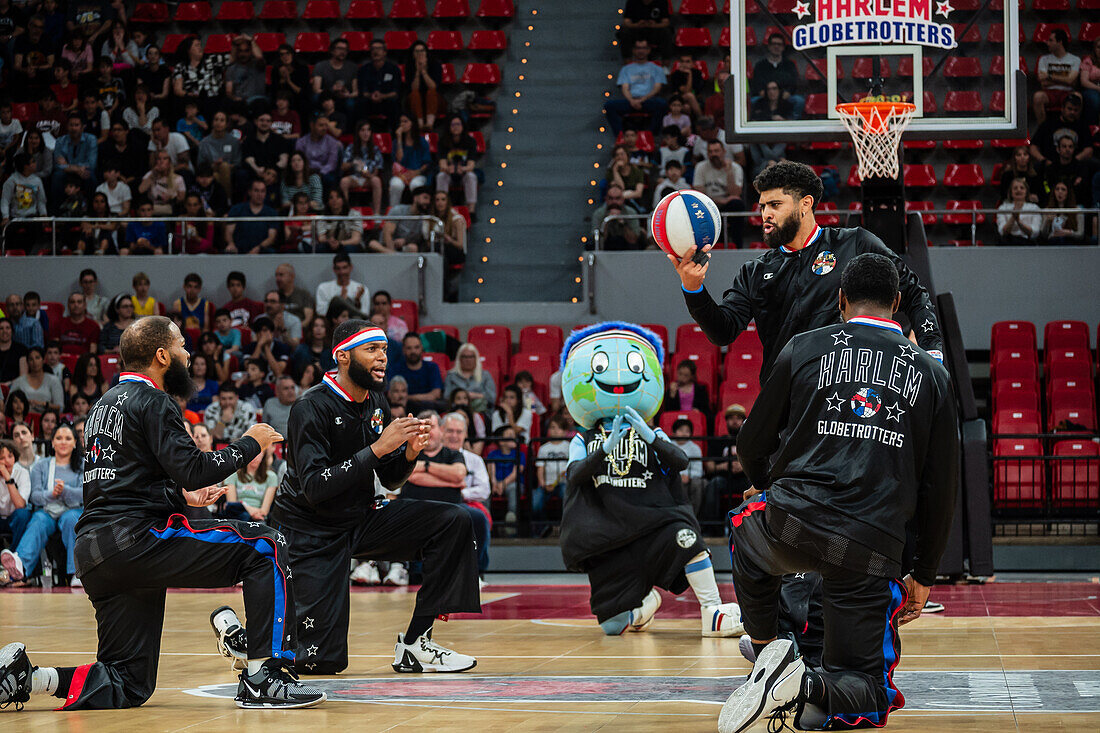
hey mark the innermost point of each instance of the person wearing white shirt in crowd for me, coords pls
(43, 390)
(115, 189)
(1058, 70)
(1021, 222)
(550, 463)
(692, 476)
(475, 496)
(673, 180)
(15, 493)
(342, 287)
(95, 305)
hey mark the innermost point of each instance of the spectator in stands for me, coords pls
(397, 394)
(50, 120)
(1067, 167)
(192, 125)
(511, 412)
(288, 328)
(685, 392)
(296, 300)
(380, 85)
(770, 106)
(245, 81)
(141, 114)
(215, 200)
(475, 495)
(11, 129)
(15, 493)
(775, 67)
(163, 187)
(412, 160)
(458, 161)
(197, 77)
(676, 117)
(174, 143)
(640, 82)
(118, 47)
(42, 389)
(727, 477)
(300, 178)
(467, 375)
(1058, 71)
(195, 310)
(16, 409)
(425, 384)
(321, 150)
(409, 235)
(618, 234)
(73, 205)
(646, 19)
(672, 181)
(440, 473)
(98, 233)
(1063, 228)
(80, 409)
(55, 366)
(33, 53)
(454, 242)
(361, 166)
(116, 191)
(311, 377)
(299, 231)
(691, 478)
(216, 356)
(34, 146)
(78, 332)
(686, 82)
(23, 197)
(342, 287)
(708, 132)
(507, 470)
(337, 76)
(27, 330)
(629, 177)
(382, 303)
(265, 154)
(23, 438)
(277, 408)
(63, 88)
(290, 81)
(526, 383)
(229, 337)
(87, 379)
(120, 314)
(57, 491)
(144, 304)
(241, 309)
(204, 441)
(221, 150)
(1021, 222)
(75, 155)
(273, 353)
(253, 388)
(195, 237)
(156, 76)
(722, 179)
(206, 388)
(551, 459)
(337, 121)
(97, 122)
(111, 91)
(119, 151)
(32, 306)
(316, 347)
(424, 99)
(251, 490)
(78, 53)
(252, 237)
(475, 437)
(1044, 143)
(339, 235)
(1090, 82)
(145, 238)
(95, 305)
(228, 419)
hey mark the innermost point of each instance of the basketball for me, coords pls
(685, 219)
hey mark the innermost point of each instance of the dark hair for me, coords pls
(524, 374)
(258, 363)
(560, 421)
(17, 394)
(53, 345)
(348, 328)
(226, 387)
(870, 278)
(261, 470)
(21, 161)
(341, 257)
(9, 447)
(192, 277)
(236, 275)
(780, 36)
(141, 339)
(204, 170)
(205, 360)
(681, 423)
(80, 371)
(33, 295)
(36, 350)
(419, 190)
(1060, 35)
(513, 389)
(382, 292)
(673, 163)
(116, 302)
(87, 271)
(795, 179)
(406, 337)
(690, 365)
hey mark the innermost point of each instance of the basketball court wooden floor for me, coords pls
(1005, 657)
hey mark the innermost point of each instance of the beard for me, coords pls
(783, 233)
(362, 378)
(177, 382)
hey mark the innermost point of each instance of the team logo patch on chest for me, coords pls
(825, 263)
(866, 403)
(376, 420)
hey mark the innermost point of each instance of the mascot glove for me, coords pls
(645, 432)
(618, 430)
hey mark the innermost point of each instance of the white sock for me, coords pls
(44, 681)
(700, 573)
(254, 665)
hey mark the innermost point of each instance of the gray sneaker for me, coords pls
(275, 686)
(15, 675)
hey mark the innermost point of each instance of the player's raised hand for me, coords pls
(420, 441)
(643, 430)
(397, 433)
(204, 497)
(618, 430)
(691, 272)
(264, 434)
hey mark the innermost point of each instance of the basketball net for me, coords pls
(876, 129)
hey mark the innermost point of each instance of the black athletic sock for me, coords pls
(64, 681)
(757, 648)
(813, 688)
(418, 626)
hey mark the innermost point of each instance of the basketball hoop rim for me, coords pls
(886, 111)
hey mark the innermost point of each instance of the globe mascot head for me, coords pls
(609, 366)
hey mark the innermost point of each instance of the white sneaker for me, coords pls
(424, 655)
(773, 684)
(366, 573)
(232, 638)
(745, 647)
(481, 584)
(11, 562)
(642, 616)
(76, 583)
(932, 607)
(397, 575)
(722, 620)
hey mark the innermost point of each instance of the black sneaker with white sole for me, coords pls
(232, 638)
(15, 675)
(275, 686)
(773, 685)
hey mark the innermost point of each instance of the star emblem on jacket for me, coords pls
(927, 326)
(346, 465)
(841, 338)
(835, 401)
(236, 454)
(311, 650)
(121, 398)
(326, 474)
(908, 351)
(253, 524)
(894, 413)
(307, 622)
(219, 458)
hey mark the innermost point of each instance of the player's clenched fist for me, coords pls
(264, 434)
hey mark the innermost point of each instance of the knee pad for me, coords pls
(617, 624)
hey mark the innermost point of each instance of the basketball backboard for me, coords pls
(958, 65)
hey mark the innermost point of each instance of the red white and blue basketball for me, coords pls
(685, 219)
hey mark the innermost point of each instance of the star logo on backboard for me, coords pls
(894, 413)
(835, 401)
(307, 622)
(841, 338)
(801, 9)
(908, 351)
(944, 8)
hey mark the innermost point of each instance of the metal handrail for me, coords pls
(169, 221)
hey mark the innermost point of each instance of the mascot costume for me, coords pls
(626, 522)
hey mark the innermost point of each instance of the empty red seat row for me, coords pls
(1019, 474)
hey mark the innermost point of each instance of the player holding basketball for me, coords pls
(132, 544)
(340, 436)
(791, 289)
(854, 436)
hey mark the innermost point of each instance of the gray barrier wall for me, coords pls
(989, 284)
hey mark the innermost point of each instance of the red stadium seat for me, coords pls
(384, 142)
(481, 74)
(706, 368)
(963, 144)
(451, 9)
(691, 336)
(365, 10)
(693, 38)
(235, 11)
(440, 360)
(1076, 474)
(279, 10)
(447, 74)
(905, 66)
(172, 43)
(816, 105)
(1018, 476)
(824, 219)
(1088, 4)
(150, 13)
(1019, 334)
(432, 139)
(812, 73)
(1090, 31)
(1054, 6)
(408, 10)
(928, 219)
(541, 339)
(963, 175)
(743, 365)
(219, 43)
(974, 35)
(919, 176)
(697, 419)
(488, 41)
(965, 102)
(863, 68)
(698, 7)
(724, 36)
(965, 219)
(1043, 31)
(1062, 384)
(358, 41)
(498, 9)
(312, 42)
(1015, 396)
(492, 365)
(408, 311)
(661, 332)
(23, 111)
(445, 41)
(736, 392)
(493, 342)
(269, 42)
(1076, 406)
(1016, 365)
(193, 13)
(399, 40)
(1021, 422)
(321, 10)
(1055, 356)
(451, 331)
(1066, 335)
